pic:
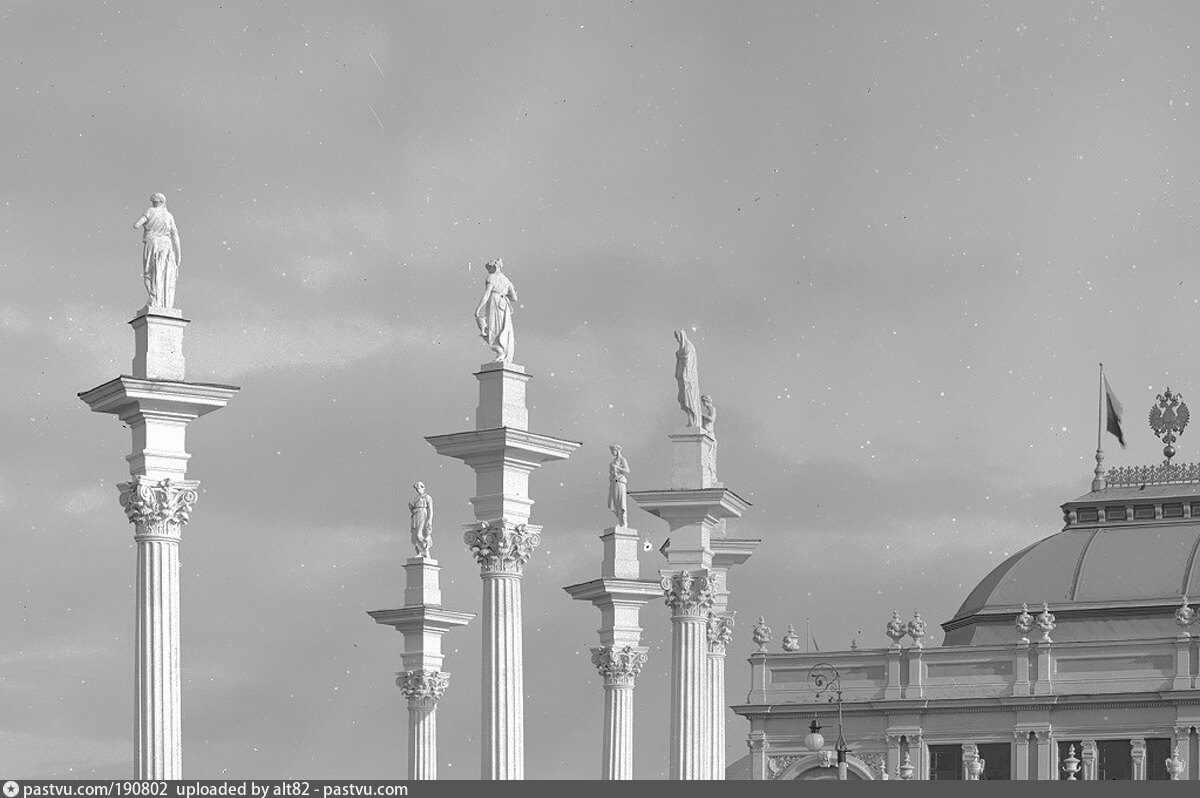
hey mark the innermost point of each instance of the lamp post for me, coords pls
(825, 680)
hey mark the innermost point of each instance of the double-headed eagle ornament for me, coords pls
(1168, 418)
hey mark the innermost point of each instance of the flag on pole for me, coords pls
(1114, 413)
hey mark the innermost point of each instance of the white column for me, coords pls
(158, 511)
(720, 635)
(1047, 757)
(619, 668)
(1182, 744)
(422, 689)
(1137, 750)
(502, 549)
(689, 596)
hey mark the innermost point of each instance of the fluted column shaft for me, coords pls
(689, 595)
(422, 689)
(157, 751)
(503, 678)
(422, 740)
(502, 549)
(619, 666)
(720, 635)
(158, 511)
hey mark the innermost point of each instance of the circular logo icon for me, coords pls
(11, 788)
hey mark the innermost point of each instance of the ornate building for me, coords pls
(1074, 658)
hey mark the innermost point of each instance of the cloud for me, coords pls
(84, 501)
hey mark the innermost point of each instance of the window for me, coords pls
(997, 761)
(945, 763)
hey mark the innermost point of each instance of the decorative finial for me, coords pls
(896, 629)
(1024, 622)
(1185, 616)
(761, 634)
(916, 629)
(1045, 622)
(906, 768)
(791, 640)
(1168, 418)
(421, 508)
(1071, 764)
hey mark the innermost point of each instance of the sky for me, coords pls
(901, 237)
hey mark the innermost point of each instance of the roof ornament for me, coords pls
(1168, 418)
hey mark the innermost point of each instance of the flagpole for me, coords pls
(1098, 481)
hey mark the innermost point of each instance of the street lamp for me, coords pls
(825, 680)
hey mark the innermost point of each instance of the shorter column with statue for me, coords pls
(423, 621)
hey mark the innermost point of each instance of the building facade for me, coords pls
(1074, 658)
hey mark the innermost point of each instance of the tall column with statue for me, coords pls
(619, 594)
(423, 621)
(156, 403)
(503, 453)
(696, 506)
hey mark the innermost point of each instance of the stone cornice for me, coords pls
(951, 706)
(517, 447)
(420, 618)
(608, 591)
(125, 396)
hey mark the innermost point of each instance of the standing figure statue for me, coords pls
(618, 476)
(708, 413)
(495, 312)
(421, 508)
(161, 254)
(687, 377)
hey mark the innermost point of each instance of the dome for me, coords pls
(1116, 570)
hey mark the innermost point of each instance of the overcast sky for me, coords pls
(901, 237)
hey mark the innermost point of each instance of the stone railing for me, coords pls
(1164, 473)
(1020, 669)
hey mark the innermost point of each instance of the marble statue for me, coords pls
(161, 253)
(708, 413)
(687, 378)
(618, 476)
(495, 312)
(421, 508)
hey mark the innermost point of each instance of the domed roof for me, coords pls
(1116, 570)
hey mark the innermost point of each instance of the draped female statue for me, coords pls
(161, 254)
(494, 314)
(687, 377)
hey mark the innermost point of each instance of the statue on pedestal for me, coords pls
(708, 413)
(495, 311)
(421, 508)
(161, 253)
(618, 476)
(687, 377)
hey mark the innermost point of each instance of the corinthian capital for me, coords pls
(688, 594)
(158, 508)
(720, 632)
(619, 666)
(502, 547)
(422, 687)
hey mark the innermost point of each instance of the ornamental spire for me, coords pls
(1168, 418)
